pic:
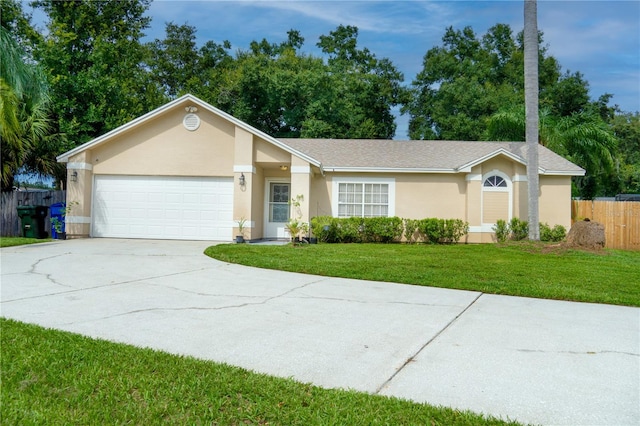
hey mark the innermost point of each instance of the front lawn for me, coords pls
(54, 377)
(529, 270)
(19, 241)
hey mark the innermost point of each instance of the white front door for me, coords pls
(277, 208)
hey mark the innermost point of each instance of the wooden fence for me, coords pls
(621, 220)
(9, 202)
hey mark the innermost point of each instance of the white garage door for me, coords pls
(163, 207)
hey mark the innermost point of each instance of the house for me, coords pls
(190, 171)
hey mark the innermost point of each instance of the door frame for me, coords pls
(274, 230)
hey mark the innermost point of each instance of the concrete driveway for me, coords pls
(536, 361)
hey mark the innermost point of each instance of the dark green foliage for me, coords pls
(443, 231)
(382, 229)
(387, 229)
(555, 234)
(519, 229)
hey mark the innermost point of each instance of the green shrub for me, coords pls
(501, 228)
(381, 229)
(443, 231)
(411, 231)
(558, 233)
(387, 229)
(519, 229)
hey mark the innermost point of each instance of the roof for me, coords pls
(176, 103)
(369, 155)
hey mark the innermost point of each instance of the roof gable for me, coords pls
(186, 100)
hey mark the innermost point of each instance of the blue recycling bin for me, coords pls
(57, 219)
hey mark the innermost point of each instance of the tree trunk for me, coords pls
(531, 108)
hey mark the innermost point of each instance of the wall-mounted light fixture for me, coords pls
(242, 179)
(284, 168)
(74, 176)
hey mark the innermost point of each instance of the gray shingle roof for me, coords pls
(419, 155)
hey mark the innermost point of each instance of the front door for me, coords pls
(277, 208)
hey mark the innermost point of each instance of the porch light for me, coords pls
(284, 168)
(242, 179)
(74, 176)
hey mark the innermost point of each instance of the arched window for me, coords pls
(495, 181)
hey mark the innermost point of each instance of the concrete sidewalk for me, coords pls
(531, 360)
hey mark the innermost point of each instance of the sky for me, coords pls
(600, 39)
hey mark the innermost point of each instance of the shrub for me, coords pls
(519, 229)
(558, 233)
(381, 229)
(501, 228)
(411, 229)
(443, 231)
(386, 229)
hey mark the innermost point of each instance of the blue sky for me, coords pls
(601, 39)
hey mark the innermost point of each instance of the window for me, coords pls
(495, 181)
(279, 202)
(363, 199)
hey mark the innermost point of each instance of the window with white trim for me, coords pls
(363, 199)
(495, 181)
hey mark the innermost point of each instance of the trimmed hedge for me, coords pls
(330, 229)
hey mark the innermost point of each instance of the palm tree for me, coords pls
(531, 107)
(23, 112)
(583, 137)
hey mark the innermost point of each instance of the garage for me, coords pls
(163, 207)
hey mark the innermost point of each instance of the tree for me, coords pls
(531, 112)
(178, 66)
(583, 138)
(469, 78)
(93, 57)
(24, 100)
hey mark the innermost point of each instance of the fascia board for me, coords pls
(501, 151)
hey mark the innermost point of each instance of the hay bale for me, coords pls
(586, 234)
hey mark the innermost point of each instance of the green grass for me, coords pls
(529, 270)
(19, 241)
(54, 377)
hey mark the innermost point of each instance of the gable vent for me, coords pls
(191, 122)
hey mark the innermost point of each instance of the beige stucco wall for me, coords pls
(555, 200)
(163, 146)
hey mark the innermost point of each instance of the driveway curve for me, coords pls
(535, 361)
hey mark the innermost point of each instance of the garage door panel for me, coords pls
(163, 207)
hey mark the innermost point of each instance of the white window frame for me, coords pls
(390, 182)
(508, 189)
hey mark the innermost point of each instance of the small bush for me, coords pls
(501, 228)
(411, 232)
(519, 229)
(382, 229)
(443, 231)
(558, 233)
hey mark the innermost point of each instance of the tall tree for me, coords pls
(93, 56)
(24, 99)
(531, 111)
(468, 79)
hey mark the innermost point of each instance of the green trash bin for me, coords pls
(32, 219)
